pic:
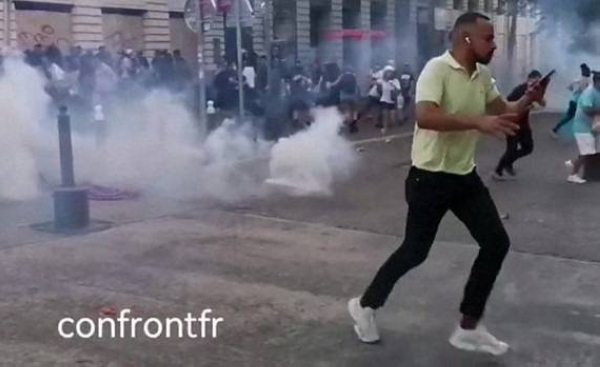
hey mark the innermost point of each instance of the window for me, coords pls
(458, 4)
(218, 52)
(473, 5)
(487, 6)
(317, 16)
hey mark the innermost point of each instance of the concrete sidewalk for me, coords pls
(281, 287)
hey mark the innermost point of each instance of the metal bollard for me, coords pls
(71, 206)
(65, 148)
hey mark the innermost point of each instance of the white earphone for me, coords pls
(468, 40)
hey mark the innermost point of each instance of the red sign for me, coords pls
(225, 5)
(355, 34)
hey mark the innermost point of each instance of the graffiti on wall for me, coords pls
(43, 27)
(44, 35)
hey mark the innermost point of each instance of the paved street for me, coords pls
(280, 270)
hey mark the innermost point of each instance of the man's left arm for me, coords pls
(498, 105)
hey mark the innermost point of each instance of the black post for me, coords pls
(66, 148)
(71, 206)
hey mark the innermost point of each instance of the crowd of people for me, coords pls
(377, 96)
(88, 78)
(283, 94)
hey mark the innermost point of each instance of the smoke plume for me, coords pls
(310, 162)
(151, 145)
(20, 132)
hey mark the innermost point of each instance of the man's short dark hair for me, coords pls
(469, 18)
(534, 74)
(596, 76)
(585, 70)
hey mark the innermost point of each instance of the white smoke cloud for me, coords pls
(151, 145)
(312, 161)
(554, 54)
(23, 108)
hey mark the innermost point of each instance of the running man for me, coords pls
(520, 145)
(588, 142)
(452, 95)
(577, 87)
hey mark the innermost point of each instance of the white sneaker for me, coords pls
(364, 321)
(478, 340)
(576, 179)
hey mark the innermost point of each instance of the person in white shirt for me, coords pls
(250, 74)
(390, 89)
(375, 105)
(407, 81)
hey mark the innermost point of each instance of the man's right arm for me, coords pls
(430, 116)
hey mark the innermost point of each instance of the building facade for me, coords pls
(362, 33)
(358, 33)
(140, 25)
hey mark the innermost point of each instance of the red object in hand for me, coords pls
(225, 6)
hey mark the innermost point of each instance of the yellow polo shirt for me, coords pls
(445, 82)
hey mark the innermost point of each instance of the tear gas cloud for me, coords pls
(152, 145)
(566, 61)
(23, 107)
(311, 161)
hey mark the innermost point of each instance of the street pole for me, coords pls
(238, 31)
(201, 74)
(267, 33)
(7, 21)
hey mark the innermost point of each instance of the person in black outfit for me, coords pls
(520, 144)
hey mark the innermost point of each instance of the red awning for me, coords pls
(225, 6)
(355, 34)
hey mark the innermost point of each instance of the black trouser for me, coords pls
(568, 117)
(429, 196)
(517, 147)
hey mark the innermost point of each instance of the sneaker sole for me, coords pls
(471, 348)
(356, 329)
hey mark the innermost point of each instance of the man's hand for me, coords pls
(499, 126)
